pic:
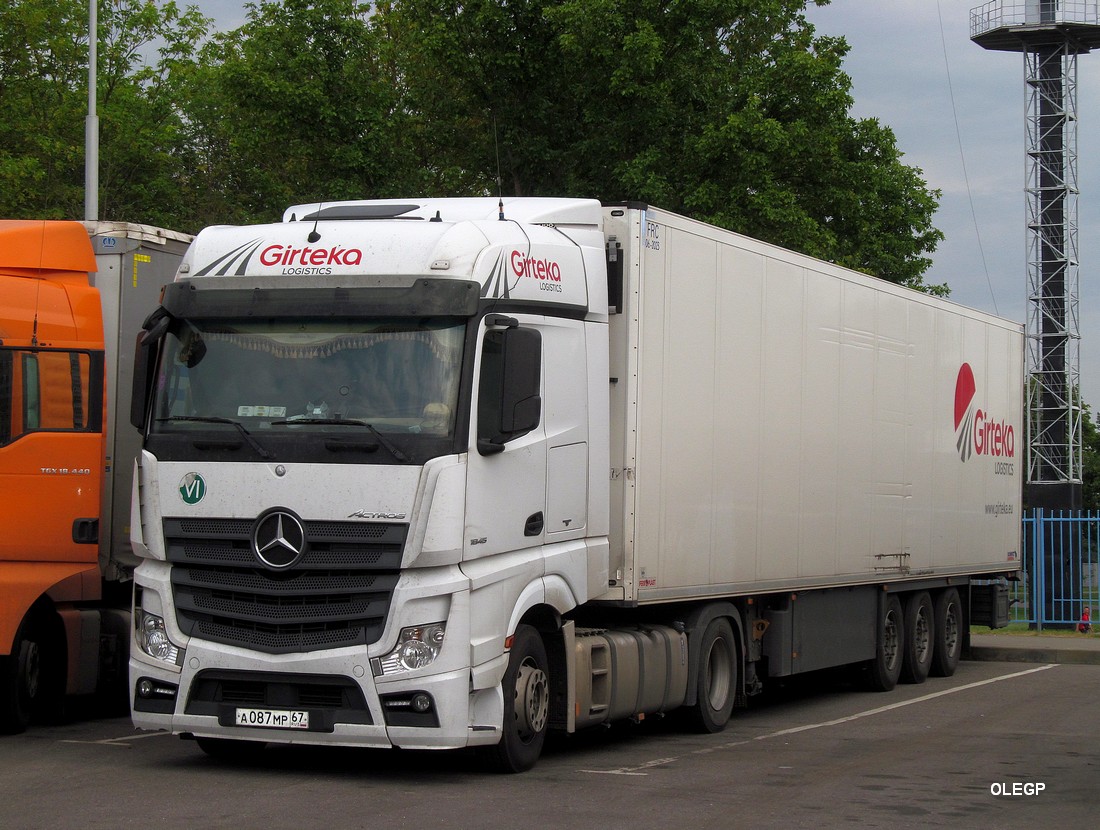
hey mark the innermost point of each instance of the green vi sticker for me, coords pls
(192, 488)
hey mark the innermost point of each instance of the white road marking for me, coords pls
(637, 770)
(123, 741)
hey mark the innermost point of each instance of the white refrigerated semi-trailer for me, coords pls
(448, 473)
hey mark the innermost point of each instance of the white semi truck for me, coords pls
(451, 473)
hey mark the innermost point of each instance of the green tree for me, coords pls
(1090, 461)
(732, 111)
(301, 103)
(143, 50)
(144, 143)
(41, 108)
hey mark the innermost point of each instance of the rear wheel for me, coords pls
(885, 669)
(717, 677)
(949, 631)
(526, 687)
(920, 628)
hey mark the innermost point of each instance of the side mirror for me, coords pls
(145, 352)
(509, 400)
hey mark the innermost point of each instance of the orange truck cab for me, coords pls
(72, 299)
(52, 445)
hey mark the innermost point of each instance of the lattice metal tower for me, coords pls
(1050, 34)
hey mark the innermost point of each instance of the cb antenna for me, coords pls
(500, 186)
(313, 235)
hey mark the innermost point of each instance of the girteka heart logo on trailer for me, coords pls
(976, 432)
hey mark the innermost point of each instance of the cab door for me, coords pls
(506, 478)
(51, 454)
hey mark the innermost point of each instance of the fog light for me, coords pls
(150, 689)
(416, 709)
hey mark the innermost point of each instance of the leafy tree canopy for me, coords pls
(731, 111)
(44, 103)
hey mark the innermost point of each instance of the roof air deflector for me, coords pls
(377, 211)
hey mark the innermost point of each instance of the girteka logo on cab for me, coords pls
(977, 431)
(508, 272)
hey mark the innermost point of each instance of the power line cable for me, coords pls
(962, 158)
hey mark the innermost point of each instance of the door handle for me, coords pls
(534, 524)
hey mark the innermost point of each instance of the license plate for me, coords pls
(273, 718)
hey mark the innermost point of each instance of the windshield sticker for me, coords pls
(261, 411)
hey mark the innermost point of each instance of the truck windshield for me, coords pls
(380, 376)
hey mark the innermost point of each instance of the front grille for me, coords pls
(337, 595)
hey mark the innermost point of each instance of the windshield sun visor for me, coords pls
(256, 298)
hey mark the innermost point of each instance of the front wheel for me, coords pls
(526, 687)
(31, 678)
(717, 677)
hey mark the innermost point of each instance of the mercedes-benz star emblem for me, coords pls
(278, 539)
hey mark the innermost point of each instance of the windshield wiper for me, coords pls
(394, 451)
(211, 419)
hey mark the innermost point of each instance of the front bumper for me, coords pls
(346, 705)
(200, 692)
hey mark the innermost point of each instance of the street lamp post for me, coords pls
(91, 123)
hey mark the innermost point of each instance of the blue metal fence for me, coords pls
(1061, 569)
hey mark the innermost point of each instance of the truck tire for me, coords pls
(18, 685)
(949, 631)
(718, 672)
(31, 678)
(885, 669)
(526, 687)
(920, 638)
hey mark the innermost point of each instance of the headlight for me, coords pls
(417, 647)
(153, 639)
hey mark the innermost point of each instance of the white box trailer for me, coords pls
(478, 469)
(135, 262)
(781, 423)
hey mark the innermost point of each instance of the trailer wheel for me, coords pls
(885, 669)
(717, 678)
(920, 638)
(948, 639)
(526, 688)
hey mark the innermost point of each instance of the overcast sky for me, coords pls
(957, 111)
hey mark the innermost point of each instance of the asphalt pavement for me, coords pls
(1035, 647)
